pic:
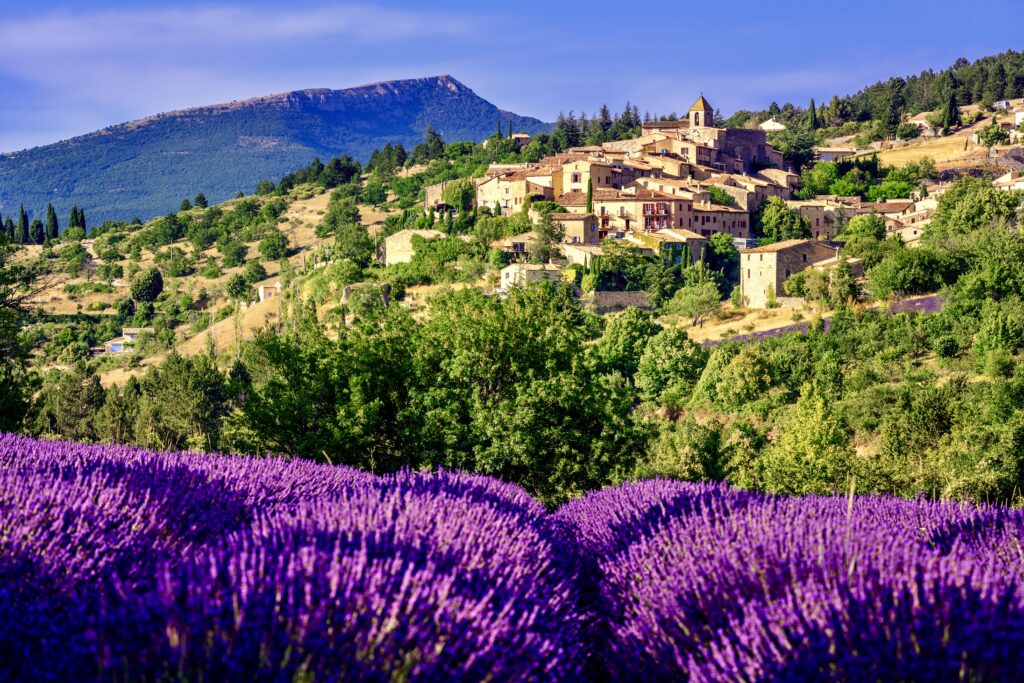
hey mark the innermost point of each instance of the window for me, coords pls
(575, 177)
(748, 273)
(787, 272)
(804, 256)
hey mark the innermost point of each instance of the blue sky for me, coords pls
(67, 68)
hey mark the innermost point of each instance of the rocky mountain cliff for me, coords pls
(146, 167)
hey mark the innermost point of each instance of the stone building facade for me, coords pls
(763, 270)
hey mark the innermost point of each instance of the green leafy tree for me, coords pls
(354, 243)
(624, 339)
(776, 222)
(185, 205)
(993, 134)
(796, 144)
(109, 272)
(746, 378)
(459, 194)
(232, 252)
(274, 246)
(238, 288)
(147, 285)
(812, 454)
(696, 302)
(870, 226)
(688, 450)
(254, 272)
(18, 283)
(669, 367)
(200, 201)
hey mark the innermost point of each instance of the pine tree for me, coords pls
(202, 203)
(22, 234)
(52, 227)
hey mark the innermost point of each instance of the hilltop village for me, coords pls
(668, 191)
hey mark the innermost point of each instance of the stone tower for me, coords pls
(701, 113)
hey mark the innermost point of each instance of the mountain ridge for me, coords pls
(146, 166)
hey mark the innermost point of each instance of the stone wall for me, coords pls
(610, 302)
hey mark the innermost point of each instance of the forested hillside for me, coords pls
(144, 168)
(885, 104)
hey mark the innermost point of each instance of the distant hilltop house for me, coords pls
(764, 270)
(833, 153)
(123, 344)
(922, 122)
(772, 125)
(1013, 180)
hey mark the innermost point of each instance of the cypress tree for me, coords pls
(81, 219)
(36, 233)
(22, 234)
(590, 195)
(510, 129)
(9, 228)
(73, 217)
(951, 117)
(52, 227)
(812, 116)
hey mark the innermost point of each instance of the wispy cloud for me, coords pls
(70, 32)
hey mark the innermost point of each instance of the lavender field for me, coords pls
(124, 565)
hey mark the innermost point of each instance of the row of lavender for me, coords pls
(120, 564)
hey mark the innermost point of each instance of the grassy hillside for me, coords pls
(145, 168)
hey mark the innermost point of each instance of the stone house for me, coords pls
(510, 190)
(764, 270)
(833, 153)
(675, 245)
(710, 218)
(517, 245)
(772, 125)
(525, 273)
(577, 228)
(821, 216)
(398, 248)
(264, 292)
(585, 255)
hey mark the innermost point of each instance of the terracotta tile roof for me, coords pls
(573, 199)
(570, 216)
(716, 207)
(780, 246)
